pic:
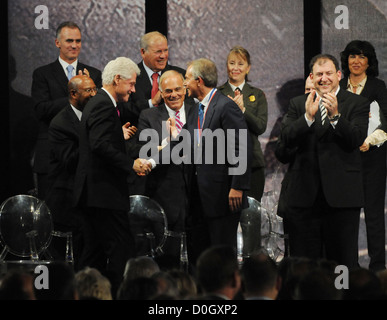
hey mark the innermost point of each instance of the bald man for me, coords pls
(63, 141)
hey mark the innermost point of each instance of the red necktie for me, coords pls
(155, 84)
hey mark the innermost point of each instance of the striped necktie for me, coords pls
(323, 111)
(179, 124)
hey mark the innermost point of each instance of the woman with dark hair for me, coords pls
(252, 101)
(360, 68)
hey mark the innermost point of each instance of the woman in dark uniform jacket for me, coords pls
(252, 101)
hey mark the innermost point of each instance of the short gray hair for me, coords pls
(205, 69)
(147, 38)
(121, 66)
(66, 24)
(167, 74)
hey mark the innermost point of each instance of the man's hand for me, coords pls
(129, 131)
(330, 103)
(235, 199)
(142, 167)
(171, 128)
(84, 73)
(157, 98)
(311, 106)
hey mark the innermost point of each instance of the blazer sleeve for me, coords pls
(256, 112)
(106, 137)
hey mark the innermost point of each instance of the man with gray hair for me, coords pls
(217, 189)
(101, 188)
(154, 53)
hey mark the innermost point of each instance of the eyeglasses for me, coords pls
(90, 90)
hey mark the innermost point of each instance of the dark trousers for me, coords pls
(323, 232)
(204, 232)
(374, 177)
(108, 243)
(257, 184)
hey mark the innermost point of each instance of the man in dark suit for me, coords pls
(154, 53)
(324, 191)
(167, 184)
(63, 135)
(49, 92)
(101, 177)
(221, 167)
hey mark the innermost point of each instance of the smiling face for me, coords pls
(237, 68)
(173, 91)
(69, 44)
(325, 77)
(156, 56)
(358, 64)
(86, 90)
(124, 87)
(191, 84)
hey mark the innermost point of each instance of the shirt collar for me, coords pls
(64, 64)
(337, 91)
(240, 86)
(78, 113)
(172, 113)
(207, 98)
(360, 85)
(149, 71)
(111, 97)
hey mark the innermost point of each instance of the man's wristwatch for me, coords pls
(334, 118)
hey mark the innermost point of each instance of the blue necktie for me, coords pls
(201, 114)
(70, 71)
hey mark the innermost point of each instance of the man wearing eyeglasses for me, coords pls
(63, 137)
(49, 92)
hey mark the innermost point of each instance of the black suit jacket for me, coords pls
(167, 183)
(374, 90)
(63, 135)
(214, 180)
(50, 94)
(101, 177)
(322, 155)
(139, 100)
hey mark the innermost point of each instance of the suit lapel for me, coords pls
(210, 110)
(143, 80)
(59, 76)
